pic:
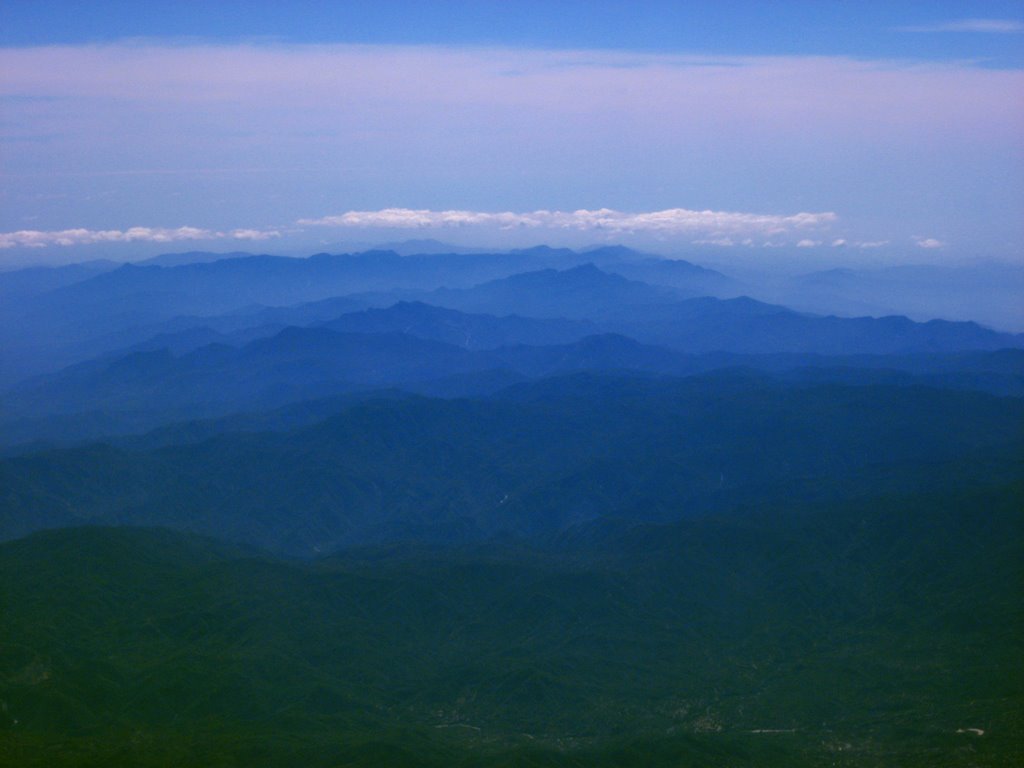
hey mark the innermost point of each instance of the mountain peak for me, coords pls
(542, 250)
(613, 252)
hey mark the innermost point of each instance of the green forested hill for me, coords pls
(864, 633)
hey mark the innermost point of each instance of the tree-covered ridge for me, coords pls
(535, 458)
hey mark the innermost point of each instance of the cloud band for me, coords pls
(677, 221)
(33, 238)
(715, 226)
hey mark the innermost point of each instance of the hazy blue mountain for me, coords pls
(75, 318)
(230, 284)
(603, 352)
(68, 314)
(175, 377)
(190, 257)
(988, 293)
(657, 315)
(536, 458)
(152, 385)
(742, 328)
(583, 292)
(291, 365)
(748, 326)
(690, 279)
(185, 333)
(471, 331)
(545, 252)
(20, 284)
(216, 365)
(999, 372)
(604, 254)
(424, 246)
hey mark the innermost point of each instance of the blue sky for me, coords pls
(807, 27)
(845, 131)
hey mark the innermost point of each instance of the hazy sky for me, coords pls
(884, 131)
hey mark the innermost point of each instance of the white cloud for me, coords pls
(716, 226)
(33, 238)
(928, 242)
(725, 242)
(996, 26)
(254, 234)
(841, 242)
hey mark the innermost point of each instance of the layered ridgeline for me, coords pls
(534, 508)
(54, 317)
(465, 341)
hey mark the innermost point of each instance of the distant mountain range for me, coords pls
(155, 344)
(189, 257)
(988, 293)
(581, 292)
(53, 317)
(749, 326)
(442, 351)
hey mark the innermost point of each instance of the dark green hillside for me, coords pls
(540, 458)
(859, 634)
